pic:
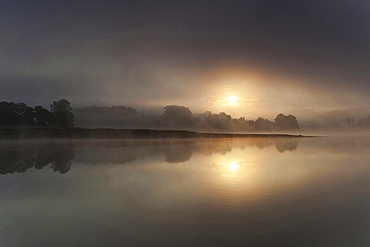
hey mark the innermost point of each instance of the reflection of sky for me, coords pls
(213, 193)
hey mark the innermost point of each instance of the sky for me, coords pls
(247, 58)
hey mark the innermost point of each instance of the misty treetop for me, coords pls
(177, 117)
(286, 122)
(63, 115)
(60, 114)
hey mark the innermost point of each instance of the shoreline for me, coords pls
(105, 133)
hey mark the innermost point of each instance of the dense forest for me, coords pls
(174, 117)
(178, 117)
(62, 115)
(19, 114)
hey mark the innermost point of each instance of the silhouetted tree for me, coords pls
(364, 122)
(25, 114)
(111, 117)
(8, 113)
(43, 117)
(16, 114)
(219, 122)
(223, 121)
(177, 116)
(286, 122)
(63, 116)
(262, 124)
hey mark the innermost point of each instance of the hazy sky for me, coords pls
(250, 58)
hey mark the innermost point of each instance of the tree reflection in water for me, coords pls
(283, 145)
(19, 156)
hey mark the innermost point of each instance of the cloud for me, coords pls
(107, 53)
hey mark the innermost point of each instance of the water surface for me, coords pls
(214, 192)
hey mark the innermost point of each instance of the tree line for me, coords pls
(178, 117)
(181, 116)
(59, 115)
(62, 115)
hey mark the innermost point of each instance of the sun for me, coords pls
(232, 100)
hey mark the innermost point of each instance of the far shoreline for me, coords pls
(17, 133)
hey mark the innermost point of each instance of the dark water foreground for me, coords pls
(193, 192)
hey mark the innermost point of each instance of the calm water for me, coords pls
(256, 192)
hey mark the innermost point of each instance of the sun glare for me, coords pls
(233, 166)
(232, 100)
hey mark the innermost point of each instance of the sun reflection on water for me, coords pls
(232, 170)
(233, 166)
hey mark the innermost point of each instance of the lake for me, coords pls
(172, 192)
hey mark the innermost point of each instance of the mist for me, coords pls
(184, 123)
(151, 55)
